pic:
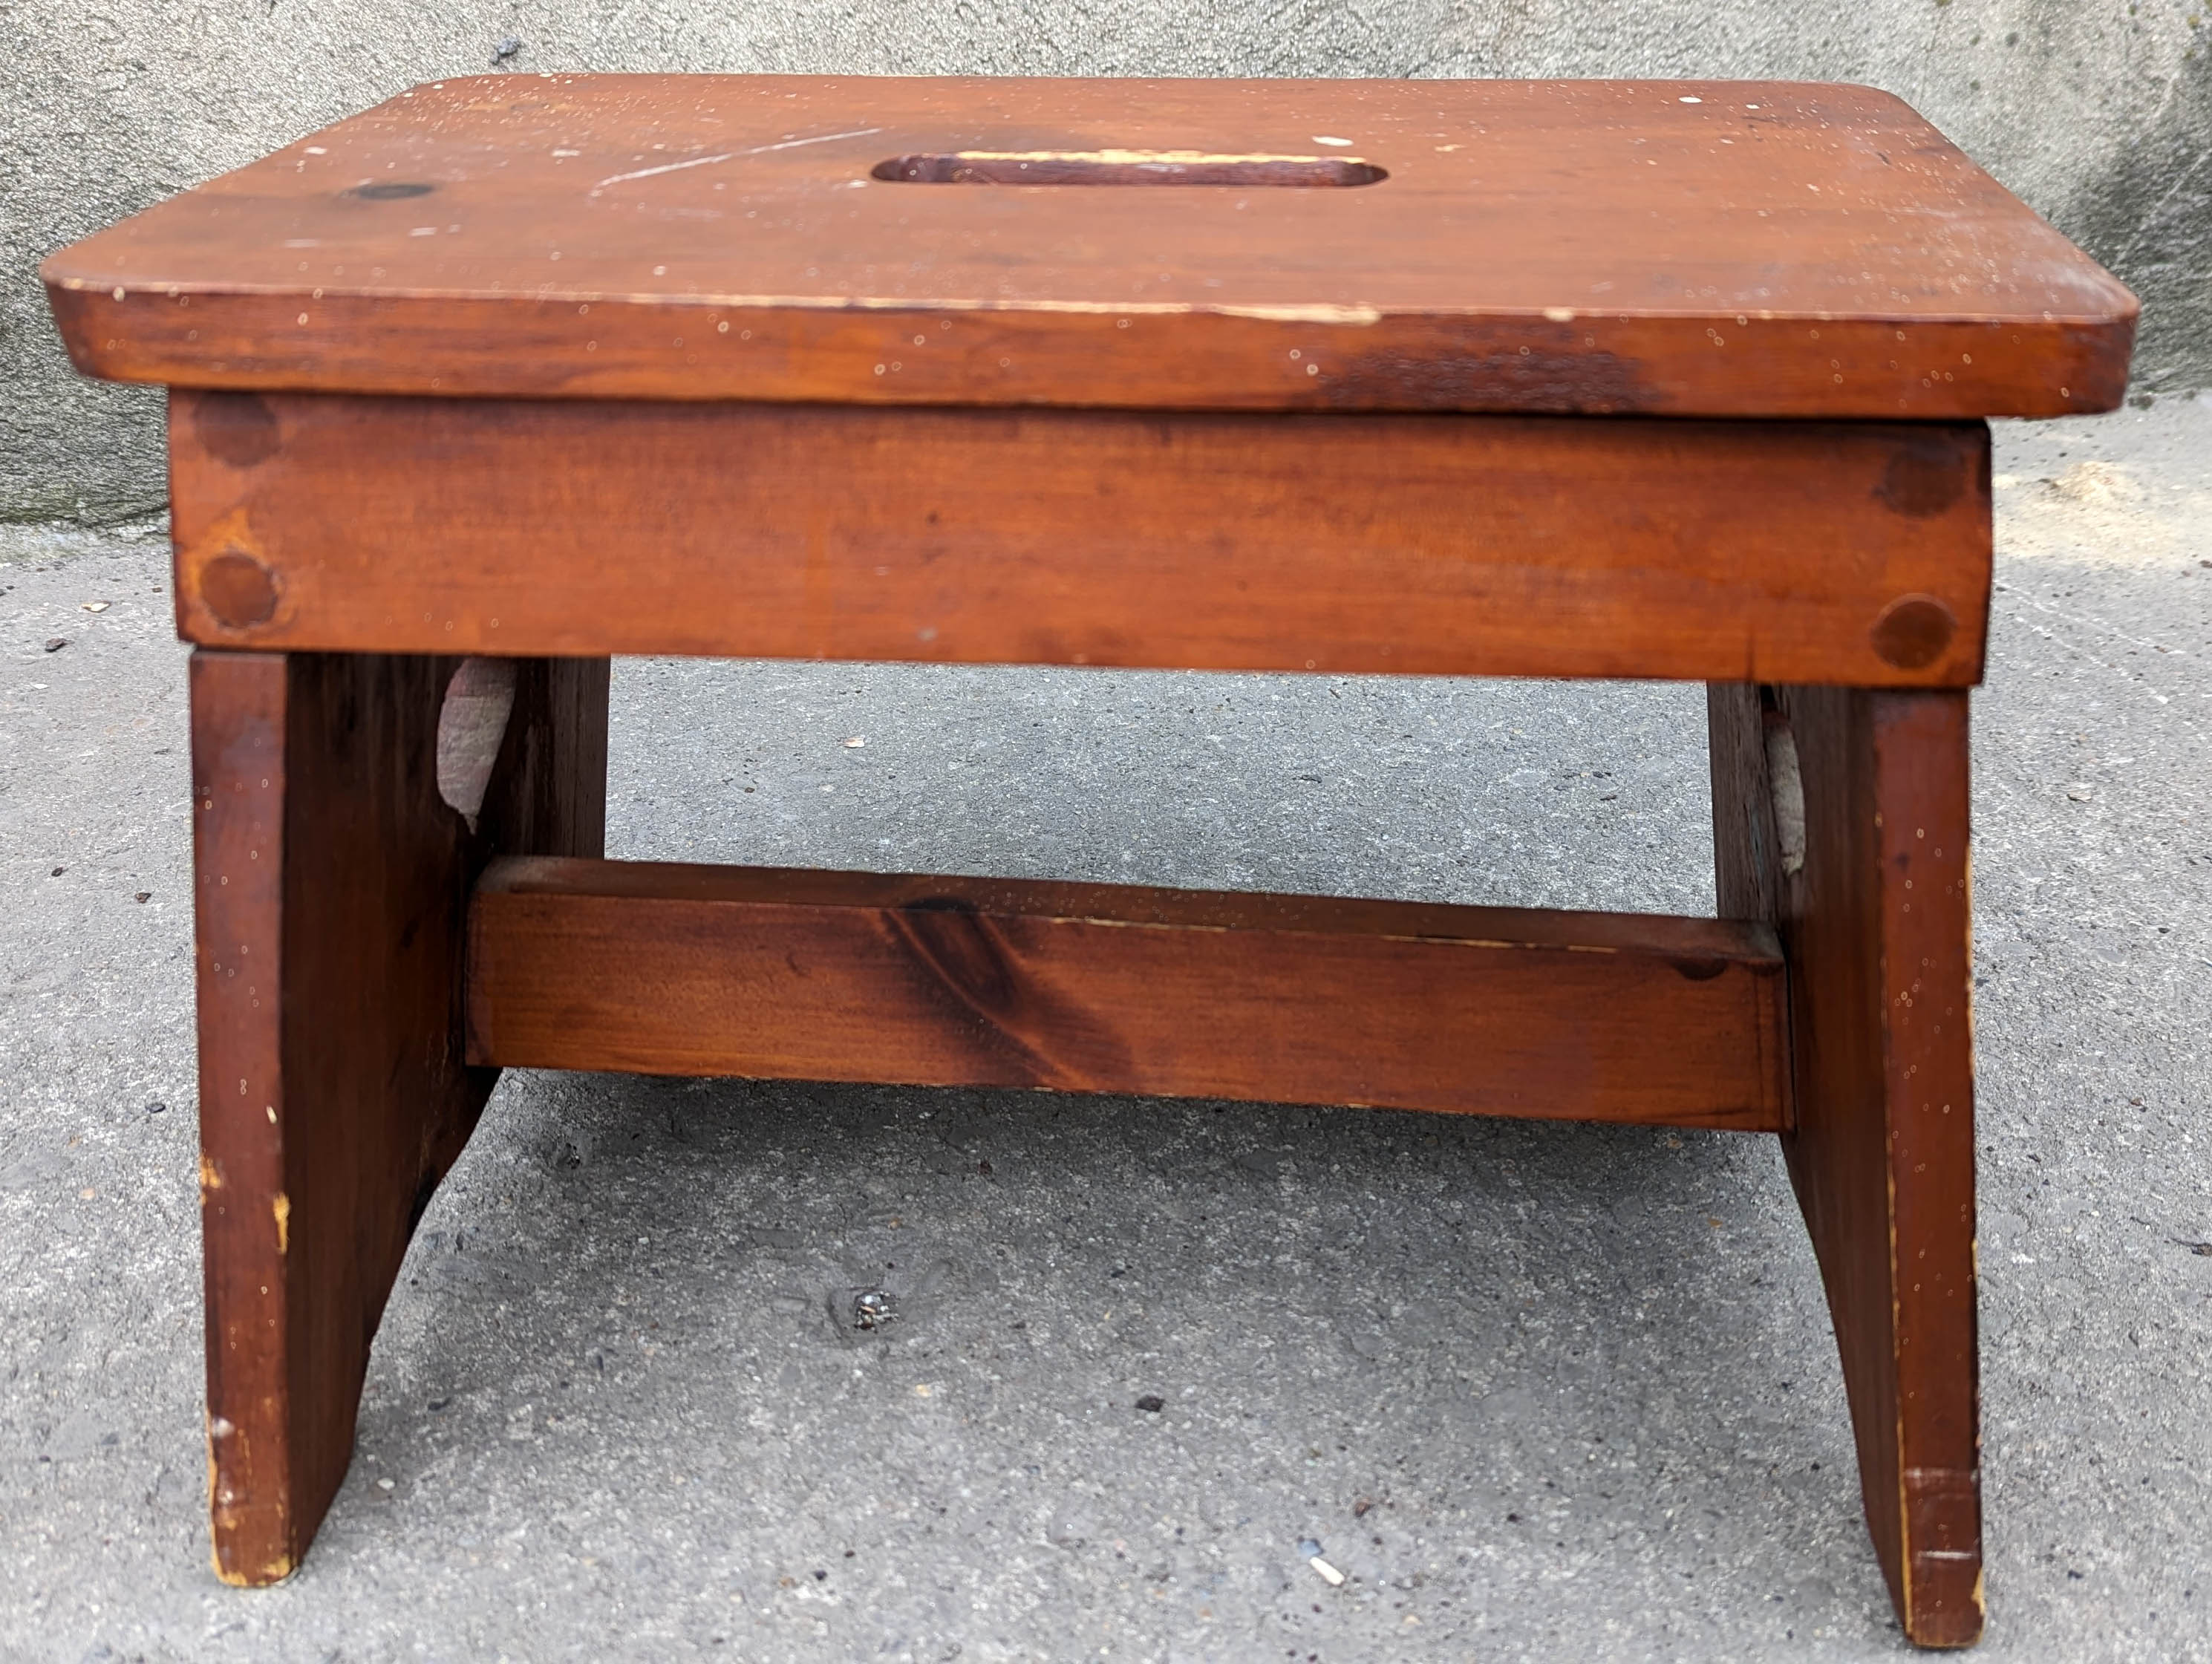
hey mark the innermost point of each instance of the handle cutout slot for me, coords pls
(1126, 167)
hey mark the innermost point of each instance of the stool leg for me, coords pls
(331, 888)
(1865, 877)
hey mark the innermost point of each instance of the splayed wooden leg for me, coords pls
(1862, 864)
(331, 887)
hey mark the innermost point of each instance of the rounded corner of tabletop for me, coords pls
(1691, 248)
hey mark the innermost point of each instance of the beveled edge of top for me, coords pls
(1637, 359)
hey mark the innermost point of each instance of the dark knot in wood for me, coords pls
(1038, 1035)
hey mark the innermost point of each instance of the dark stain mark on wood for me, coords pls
(1699, 970)
(239, 429)
(1549, 378)
(1925, 478)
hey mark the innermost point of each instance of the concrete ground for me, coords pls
(1542, 1391)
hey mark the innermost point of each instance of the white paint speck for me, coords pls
(1331, 138)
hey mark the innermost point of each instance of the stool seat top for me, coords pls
(1694, 248)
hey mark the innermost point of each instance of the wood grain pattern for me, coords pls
(1084, 987)
(240, 718)
(1680, 248)
(1464, 545)
(1876, 928)
(552, 368)
(330, 884)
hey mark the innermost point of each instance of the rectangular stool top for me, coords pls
(1694, 248)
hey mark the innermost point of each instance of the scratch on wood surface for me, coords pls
(1360, 315)
(1313, 312)
(216, 1427)
(729, 156)
(1357, 314)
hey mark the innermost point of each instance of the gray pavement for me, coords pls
(1542, 1391)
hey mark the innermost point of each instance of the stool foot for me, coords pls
(331, 881)
(1861, 863)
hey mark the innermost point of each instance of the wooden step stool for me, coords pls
(1680, 379)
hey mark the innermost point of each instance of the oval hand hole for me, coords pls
(391, 190)
(1124, 168)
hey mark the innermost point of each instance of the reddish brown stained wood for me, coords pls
(1680, 248)
(329, 890)
(239, 722)
(1421, 544)
(1081, 987)
(1746, 856)
(1876, 930)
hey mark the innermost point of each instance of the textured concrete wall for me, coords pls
(2098, 111)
